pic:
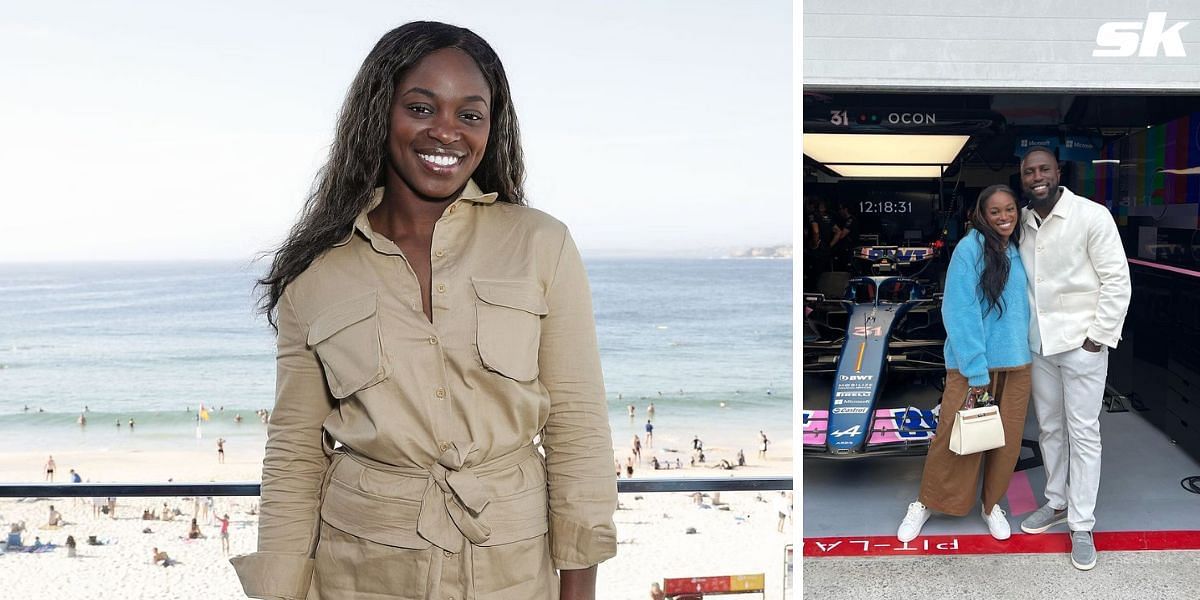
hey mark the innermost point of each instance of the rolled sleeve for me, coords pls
(576, 438)
(274, 575)
(1112, 268)
(294, 468)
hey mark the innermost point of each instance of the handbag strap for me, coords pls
(973, 401)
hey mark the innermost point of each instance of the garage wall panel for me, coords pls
(980, 45)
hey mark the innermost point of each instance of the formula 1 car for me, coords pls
(885, 326)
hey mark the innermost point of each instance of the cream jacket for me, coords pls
(402, 456)
(1078, 275)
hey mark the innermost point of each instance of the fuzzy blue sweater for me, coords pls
(976, 342)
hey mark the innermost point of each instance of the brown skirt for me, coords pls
(949, 482)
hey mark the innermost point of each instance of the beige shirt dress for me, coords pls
(464, 458)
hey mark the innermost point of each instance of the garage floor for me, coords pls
(1139, 489)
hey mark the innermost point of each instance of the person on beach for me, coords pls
(131, 424)
(55, 519)
(224, 534)
(696, 443)
(70, 544)
(161, 557)
(986, 313)
(650, 412)
(194, 532)
(741, 458)
(430, 327)
(632, 411)
(75, 478)
(82, 420)
(50, 466)
(656, 592)
(783, 506)
(1077, 276)
(637, 449)
(221, 450)
(629, 467)
(762, 448)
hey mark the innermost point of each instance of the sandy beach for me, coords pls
(735, 533)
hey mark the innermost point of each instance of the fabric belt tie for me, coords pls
(452, 501)
(453, 495)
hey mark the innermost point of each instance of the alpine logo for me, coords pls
(1144, 38)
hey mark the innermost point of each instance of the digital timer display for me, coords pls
(884, 207)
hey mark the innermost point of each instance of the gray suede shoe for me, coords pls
(1043, 518)
(1083, 550)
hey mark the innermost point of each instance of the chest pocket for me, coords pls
(509, 326)
(346, 338)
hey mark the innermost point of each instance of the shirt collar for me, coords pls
(1062, 208)
(471, 193)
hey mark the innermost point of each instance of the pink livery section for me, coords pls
(889, 426)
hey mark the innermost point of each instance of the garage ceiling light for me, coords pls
(884, 155)
(888, 171)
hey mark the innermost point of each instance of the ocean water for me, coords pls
(709, 342)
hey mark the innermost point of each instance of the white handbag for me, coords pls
(977, 430)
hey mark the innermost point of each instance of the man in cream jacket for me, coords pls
(1079, 292)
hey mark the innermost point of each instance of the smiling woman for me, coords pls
(430, 327)
(440, 122)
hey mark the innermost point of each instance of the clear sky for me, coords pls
(141, 130)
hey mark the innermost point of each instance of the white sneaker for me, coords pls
(997, 523)
(910, 527)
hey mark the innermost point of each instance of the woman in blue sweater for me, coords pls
(986, 313)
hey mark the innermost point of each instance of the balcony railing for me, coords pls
(661, 536)
(149, 490)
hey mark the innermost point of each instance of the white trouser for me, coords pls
(1068, 392)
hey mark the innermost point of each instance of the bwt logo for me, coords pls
(1121, 38)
